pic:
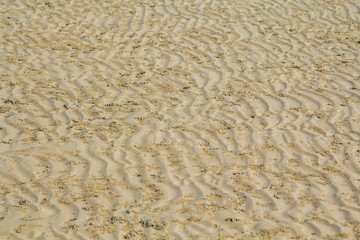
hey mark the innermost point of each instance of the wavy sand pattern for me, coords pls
(211, 119)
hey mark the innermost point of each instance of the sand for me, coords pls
(211, 119)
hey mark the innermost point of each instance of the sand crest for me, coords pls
(211, 119)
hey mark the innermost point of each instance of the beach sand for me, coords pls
(211, 119)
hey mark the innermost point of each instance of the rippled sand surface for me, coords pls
(211, 119)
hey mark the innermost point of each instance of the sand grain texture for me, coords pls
(179, 119)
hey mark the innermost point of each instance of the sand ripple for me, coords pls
(179, 119)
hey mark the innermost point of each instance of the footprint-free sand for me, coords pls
(168, 119)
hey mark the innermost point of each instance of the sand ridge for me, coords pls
(179, 119)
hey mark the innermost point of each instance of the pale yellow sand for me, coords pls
(175, 119)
